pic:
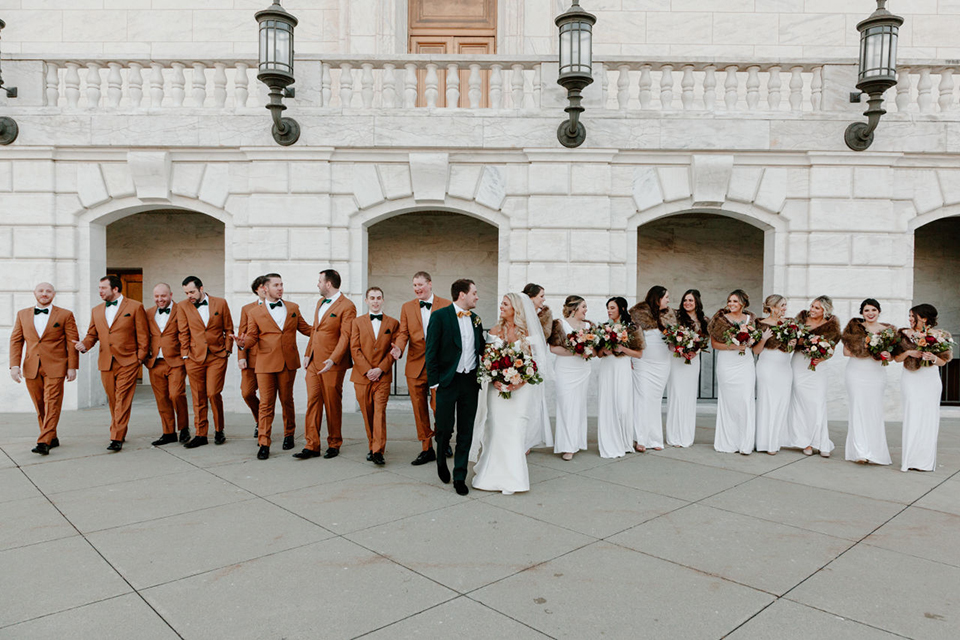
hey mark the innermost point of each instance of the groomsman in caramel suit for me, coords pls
(49, 333)
(370, 346)
(247, 358)
(414, 320)
(165, 366)
(206, 339)
(327, 361)
(120, 326)
(272, 329)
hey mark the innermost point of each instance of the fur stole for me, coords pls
(907, 344)
(642, 317)
(558, 337)
(855, 338)
(773, 342)
(829, 329)
(546, 320)
(719, 324)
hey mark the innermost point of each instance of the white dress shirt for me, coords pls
(468, 352)
(325, 307)
(40, 320)
(205, 310)
(111, 312)
(376, 327)
(161, 320)
(425, 314)
(279, 314)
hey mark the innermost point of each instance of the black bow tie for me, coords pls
(167, 310)
(112, 304)
(37, 312)
(377, 317)
(202, 303)
(428, 305)
(274, 305)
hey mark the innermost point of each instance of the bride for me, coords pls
(502, 424)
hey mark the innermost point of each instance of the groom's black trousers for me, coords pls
(458, 400)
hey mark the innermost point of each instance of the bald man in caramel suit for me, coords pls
(327, 361)
(165, 366)
(49, 333)
(120, 326)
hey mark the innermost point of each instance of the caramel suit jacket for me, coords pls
(167, 343)
(276, 346)
(54, 348)
(412, 332)
(127, 341)
(371, 352)
(247, 353)
(216, 337)
(331, 337)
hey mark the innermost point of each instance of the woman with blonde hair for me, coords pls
(736, 428)
(572, 378)
(774, 376)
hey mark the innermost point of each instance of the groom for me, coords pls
(454, 347)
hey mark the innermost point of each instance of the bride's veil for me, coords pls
(538, 342)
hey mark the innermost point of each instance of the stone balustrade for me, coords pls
(494, 82)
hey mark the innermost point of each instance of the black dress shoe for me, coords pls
(219, 437)
(332, 452)
(378, 460)
(424, 458)
(287, 443)
(166, 438)
(263, 453)
(115, 445)
(198, 441)
(185, 435)
(449, 451)
(42, 448)
(306, 454)
(369, 456)
(443, 472)
(461, 487)
(55, 443)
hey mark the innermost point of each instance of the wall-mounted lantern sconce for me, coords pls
(576, 68)
(276, 67)
(878, 71)
(8, 126)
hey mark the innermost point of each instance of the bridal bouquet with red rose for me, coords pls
(684, 342)
(509, 364)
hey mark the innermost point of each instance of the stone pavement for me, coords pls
(210, 543)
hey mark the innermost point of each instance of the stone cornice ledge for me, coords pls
(571, 155)
(853, 157)
(287, 153)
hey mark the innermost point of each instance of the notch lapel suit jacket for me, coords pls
(369, 352)
(165, 368)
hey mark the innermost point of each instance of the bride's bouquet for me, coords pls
(584, 342)
(741, 334)
(789, 334)
(882, 342)
(613, 334)
(816, 347)
(932, 341)
(684, 341)
(509, 364)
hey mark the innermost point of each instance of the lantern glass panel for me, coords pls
(575, 47)
(878, 52)
(565, 48)
(276, 47)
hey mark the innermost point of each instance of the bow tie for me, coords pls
(325, 301)
(203, 303)
(274, 305)
(377, 317)
(112, 304)
(428, 305)
(167, 310)
(37, 312)
(463, 314)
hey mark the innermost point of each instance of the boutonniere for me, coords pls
(126, 315)
(476, 320)
(56, 324)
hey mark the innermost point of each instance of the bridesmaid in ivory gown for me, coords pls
(615, 398)
(573, 376)
(650, 373)
(684, 382)
(774, 377)
(736, 378)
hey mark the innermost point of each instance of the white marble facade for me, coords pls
(727, 107)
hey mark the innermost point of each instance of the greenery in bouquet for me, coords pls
(685, 342)
(881, 344)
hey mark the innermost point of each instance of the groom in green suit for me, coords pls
(454, 347)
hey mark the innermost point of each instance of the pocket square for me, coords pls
(216, 313)
(388, 331)
(333, 315)
(56, 324)
(293, 315)
(126, 315)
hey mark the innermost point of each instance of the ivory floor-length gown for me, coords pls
(808, 407)
(650, 375)
(682, 388)
(774, 386)
(572, 375)
(615, 413)
(866, 380)
(921, 417)
(503, 462)
(736, 408)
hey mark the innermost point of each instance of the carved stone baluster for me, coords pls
(646, 87)
(623, 87)
(496, 86)
(516, 86)
(114, 84)
(241, 84)
(686, 87)
(534, 96)
(71, 84)
(816, 88)
(325, 83)
(93, 84)
(177, 84)
(946, 89)
(904, 89)
(431, 86)
(346, 85)
(666, 87)
(773, 89)
(604, 87)
(474, 83)
(199, 93)
(410, 86)
(731, 87)
(51, 84)
(710, 88)
(389, 86)
(796, 89)
(924, 97)
(753, 87)
(453, 85)
(156, 85)
(366, 84)
(135, 84)
(220, 85)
